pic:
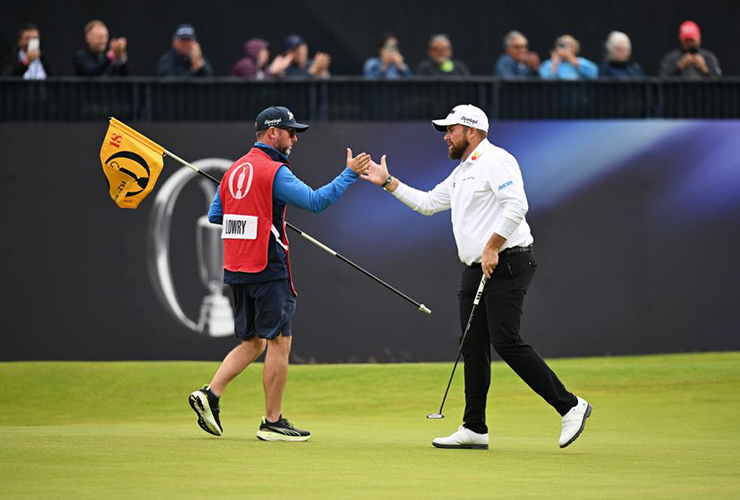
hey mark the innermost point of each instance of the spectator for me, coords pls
(440, 62)
(690, 61)
(389, 64)
(27, 60)
(185, 58)
(517, 61)
(253, 65)
(294, 61)
(98, 59)
(617, 62)
(564, 63)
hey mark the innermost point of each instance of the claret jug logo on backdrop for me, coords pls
(216, 318)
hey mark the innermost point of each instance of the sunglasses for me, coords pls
(291, 131)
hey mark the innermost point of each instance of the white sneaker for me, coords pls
(574, 421)
(463, 438)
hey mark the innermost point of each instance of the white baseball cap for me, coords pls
(464, 114)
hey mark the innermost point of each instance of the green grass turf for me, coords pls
(662, 427)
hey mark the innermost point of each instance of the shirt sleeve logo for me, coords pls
(505, 185)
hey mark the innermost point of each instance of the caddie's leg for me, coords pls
(236, 361)
(276, 375)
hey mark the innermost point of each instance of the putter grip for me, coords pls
(479, 293)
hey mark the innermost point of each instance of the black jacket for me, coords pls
(89, 64)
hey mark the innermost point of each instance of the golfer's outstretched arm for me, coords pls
(424, 202)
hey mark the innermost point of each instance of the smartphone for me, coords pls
(33, 44)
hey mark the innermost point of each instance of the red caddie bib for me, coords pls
(246, 198)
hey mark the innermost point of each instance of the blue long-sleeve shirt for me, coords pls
(566, 71)
(287, 189)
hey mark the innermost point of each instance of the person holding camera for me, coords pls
(185, 58)
(100, 58)
(389, 63)
(564, 63)
(690, 61)
(27, 61)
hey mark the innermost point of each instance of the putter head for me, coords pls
(435, 416)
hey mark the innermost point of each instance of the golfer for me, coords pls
(485, 194)
(250, 203)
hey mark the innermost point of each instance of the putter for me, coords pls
(478, 294)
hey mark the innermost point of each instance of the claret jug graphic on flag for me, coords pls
(131, 163)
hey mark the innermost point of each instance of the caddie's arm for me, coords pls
(216, 210)
(291, 190)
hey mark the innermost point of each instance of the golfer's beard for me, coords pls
(456, 152)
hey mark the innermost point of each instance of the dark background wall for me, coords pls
(635, 226)
(349, 30)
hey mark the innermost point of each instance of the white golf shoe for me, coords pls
(574, 421)
(464, 439)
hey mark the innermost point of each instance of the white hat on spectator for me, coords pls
(464, 114)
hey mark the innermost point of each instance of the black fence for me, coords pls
(357, 99)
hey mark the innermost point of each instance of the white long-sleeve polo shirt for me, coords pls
(485, 193)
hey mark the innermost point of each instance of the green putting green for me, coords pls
(662, 427)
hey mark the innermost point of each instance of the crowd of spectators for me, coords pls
(105, 56)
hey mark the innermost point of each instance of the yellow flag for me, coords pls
(131, 162)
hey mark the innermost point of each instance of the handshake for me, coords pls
(366, 168)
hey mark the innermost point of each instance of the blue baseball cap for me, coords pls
(293, 41)
(185, 31)
(280, 117)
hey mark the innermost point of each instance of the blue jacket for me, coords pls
(508, 67)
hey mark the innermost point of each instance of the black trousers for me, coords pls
(496, 322)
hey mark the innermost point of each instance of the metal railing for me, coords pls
(358, 99)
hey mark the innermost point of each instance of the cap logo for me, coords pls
(467, 120)
(273, 122)
(290, 116)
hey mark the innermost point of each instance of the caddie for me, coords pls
(251, 203)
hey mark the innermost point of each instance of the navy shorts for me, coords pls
(263, 309)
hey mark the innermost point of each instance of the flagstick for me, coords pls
(316, 242)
